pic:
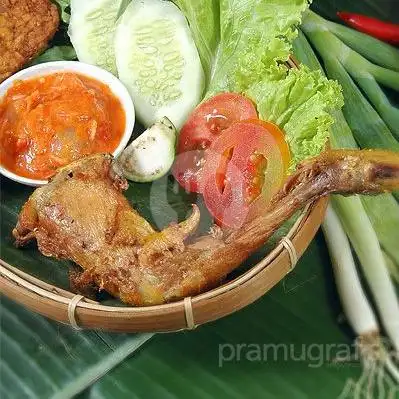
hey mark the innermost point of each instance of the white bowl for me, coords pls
(115, 85)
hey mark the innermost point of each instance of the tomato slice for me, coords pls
(205, 124)
(245, 167)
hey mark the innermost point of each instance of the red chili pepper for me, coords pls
(385, 31)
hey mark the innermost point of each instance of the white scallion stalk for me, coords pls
(354, 301)
(357, 308)
(373, 353)
(361, 234)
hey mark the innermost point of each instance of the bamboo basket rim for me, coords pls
(23, 288)
(60, 295)
(55, 302)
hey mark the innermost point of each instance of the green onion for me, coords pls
(373, 49)
(330, 46)
(304, 52)
(366, 233)
(388, 112)
(343, 64)
(383, 210)
(364, 240)
(354, 301)
(369, 129)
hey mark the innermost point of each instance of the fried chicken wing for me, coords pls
(82, 215)
(26, 26)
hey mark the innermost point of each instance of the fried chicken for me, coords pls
(26, 26)
(82, 215)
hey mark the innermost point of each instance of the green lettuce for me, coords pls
(203, 18)
(300, 104)
(256, 38)
(254, 45)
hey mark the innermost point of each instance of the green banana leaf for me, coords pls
(41, 358)
(300, 314)
(299, 318)
(309, 347)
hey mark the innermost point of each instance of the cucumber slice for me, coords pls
(157, 60)
(151, 155)
(92, 29)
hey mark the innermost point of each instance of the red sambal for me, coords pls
(49, 121)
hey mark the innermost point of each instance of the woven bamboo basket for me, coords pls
(67, 307)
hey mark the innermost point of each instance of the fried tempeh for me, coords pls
(26, 26)
(82, 215)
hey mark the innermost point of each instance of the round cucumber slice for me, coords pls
(92, 28)
(158, 61)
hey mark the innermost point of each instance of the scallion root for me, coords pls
(380, 374)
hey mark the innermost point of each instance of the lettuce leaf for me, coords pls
(254, 44)
(203, 18)
(256, 37)
(300, 104)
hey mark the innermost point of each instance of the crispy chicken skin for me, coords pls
(82, 215)
(26, 26)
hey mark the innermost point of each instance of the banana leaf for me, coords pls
(300, 317)
(42, 359)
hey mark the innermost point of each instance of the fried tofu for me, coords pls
(26, 26)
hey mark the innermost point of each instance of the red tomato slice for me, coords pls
(205, 124)
(245, 167)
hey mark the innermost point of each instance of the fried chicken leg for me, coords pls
(82, 215)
